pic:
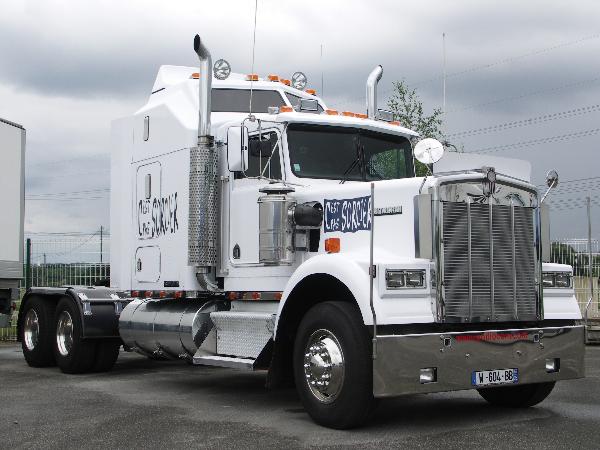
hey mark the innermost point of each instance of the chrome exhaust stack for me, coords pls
(203, 245)
(372, 82)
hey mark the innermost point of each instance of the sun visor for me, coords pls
(453, 161)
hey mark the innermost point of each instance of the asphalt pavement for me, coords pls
(154, 404)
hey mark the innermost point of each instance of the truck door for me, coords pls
(148, 193)
(263, 151)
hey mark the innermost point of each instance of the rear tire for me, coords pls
(37, 332)
(107, 353)
(333, 365)
(517, 396)
(73, 354)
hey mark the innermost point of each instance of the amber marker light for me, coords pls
(252, 77)
(285, 109)
(195, 75)
(273, 77)
(332, 245)
(286, 82)
(311, 92)
(331, 112)
(348, 114)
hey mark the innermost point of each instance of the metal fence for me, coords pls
(576, 253)
(61, 260)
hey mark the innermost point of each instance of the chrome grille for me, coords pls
(488, 262)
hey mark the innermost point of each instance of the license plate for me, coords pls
(498, 376)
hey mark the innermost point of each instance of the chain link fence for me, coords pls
(63, 259)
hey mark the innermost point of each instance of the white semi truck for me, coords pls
(254, 228)
(12, 192)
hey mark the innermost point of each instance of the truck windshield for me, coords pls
(339, 153)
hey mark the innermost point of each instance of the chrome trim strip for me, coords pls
(470, 265)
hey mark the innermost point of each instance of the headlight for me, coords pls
(399, 279)
(556, 279)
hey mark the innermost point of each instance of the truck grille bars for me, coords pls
(489, 262)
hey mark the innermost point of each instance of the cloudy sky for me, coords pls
(67, 68)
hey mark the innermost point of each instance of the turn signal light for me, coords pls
(332, 245)
(273, 77)
(331, 112)
(311, 92)
(278, 295)
(148, 294)
(252, 77)
(135, 293)
(255, 295)
(178, 294)
(285, 109)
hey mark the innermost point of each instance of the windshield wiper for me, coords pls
(354, 163)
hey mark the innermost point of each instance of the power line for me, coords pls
(547, 140)
(527, 122)
(486, 66)
(509, 59)
(525, 95)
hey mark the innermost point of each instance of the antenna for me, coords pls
(253, 48)
(444, 78)
(322, 93)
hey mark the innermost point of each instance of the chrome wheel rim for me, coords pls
(64, 333)
(324, 366)
(31, 329)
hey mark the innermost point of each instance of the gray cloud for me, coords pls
(69, 68)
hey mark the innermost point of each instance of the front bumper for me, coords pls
(455, 356)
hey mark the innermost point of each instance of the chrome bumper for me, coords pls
(455, 356)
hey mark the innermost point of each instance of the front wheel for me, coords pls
(333, 365)
(517, 396)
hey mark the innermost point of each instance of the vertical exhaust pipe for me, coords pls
(203, 243)
(372, 82)
(205, 79)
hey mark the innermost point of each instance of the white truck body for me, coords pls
(12, 187)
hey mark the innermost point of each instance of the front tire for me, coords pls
(517, 396)
(73, 354)
(333, 365)
(37, 332)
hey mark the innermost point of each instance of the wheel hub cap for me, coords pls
(324, 366)
(64, 333)
(31, 329)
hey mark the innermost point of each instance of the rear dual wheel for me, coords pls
(73, 353)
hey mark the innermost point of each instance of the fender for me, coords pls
(99, 307)
(352, 273)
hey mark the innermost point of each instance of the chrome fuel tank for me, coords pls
(172, 328)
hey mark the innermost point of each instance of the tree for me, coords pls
(408, 109)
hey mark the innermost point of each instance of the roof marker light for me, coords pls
(273, 77)
(311, 91)
(195, 75)
(332, 245)
(361, 116)
(252, 77)
(331, 112)
(394, 122)
(348, 114)
(284, 81)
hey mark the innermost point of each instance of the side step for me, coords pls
(225, 361)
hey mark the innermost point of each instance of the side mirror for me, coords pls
(429, 151)
(551, 182)
(237, 149)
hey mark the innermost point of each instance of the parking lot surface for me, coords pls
(152, 404)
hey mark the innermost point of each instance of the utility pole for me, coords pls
(101, 233)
